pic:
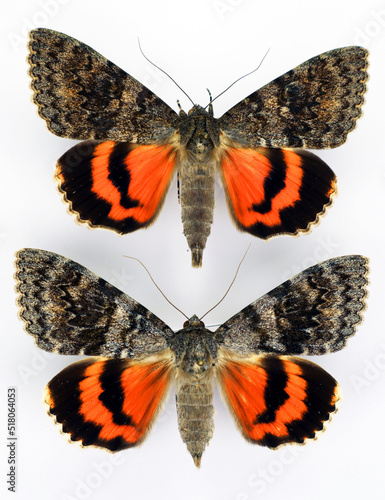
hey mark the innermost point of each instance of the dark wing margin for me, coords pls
(313, 313)
(315, 105)
(70, 310)
(82, 95)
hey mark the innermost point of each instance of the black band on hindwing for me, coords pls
(275, 394)
(112, 396)
(274, 183)
(119, 174)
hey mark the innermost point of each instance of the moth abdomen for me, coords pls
(195, 416)
(197, 202)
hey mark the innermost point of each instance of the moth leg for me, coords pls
(178, 186)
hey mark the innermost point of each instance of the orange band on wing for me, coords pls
(149, 168)
(244, 182)
(144, 387)
(239, 381)
(102, 185)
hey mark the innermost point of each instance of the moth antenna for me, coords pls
(152, 279)
(240, 78)
(231, 284)
(210, 104)
(162, 70)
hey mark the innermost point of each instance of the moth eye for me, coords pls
(200, 362)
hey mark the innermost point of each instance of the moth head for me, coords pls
(197, 110)
(193, 321)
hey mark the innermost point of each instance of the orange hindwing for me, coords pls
(109, 403)
(116, 185)
(277, 399)
(273, 191)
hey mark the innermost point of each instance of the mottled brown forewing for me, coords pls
(82, 95)
(313, 313)
(315, 105)
(70, 310)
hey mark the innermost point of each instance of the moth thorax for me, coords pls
(200, 144)
(195, 412)
(196, 359)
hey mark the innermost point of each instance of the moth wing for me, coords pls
(276, 191)
(314, 106)
(110, 403)
(276, 399)
(70, 310)
(82, 95)
(313, 313)
(115, 185)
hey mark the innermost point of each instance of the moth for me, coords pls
(110, 399)
(134, 142)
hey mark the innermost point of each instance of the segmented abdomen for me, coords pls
(195, 416)
(197, 203)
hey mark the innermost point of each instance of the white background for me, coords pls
(201, 44)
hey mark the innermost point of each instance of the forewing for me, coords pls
(70, 310)
(276, 191)
(109, 403)
(82, 95)
(315, 105)
(313, 313)
(115, 185)
(276, 399)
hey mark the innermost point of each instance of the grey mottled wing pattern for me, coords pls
(82, 95)
(315, 105)
(313, 313)
(70, 310)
